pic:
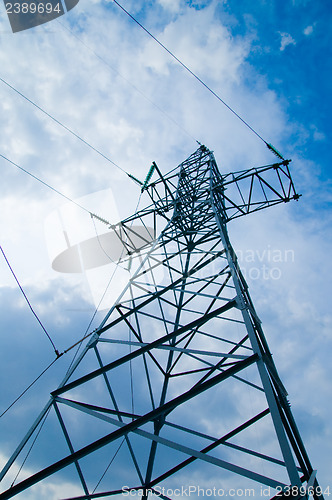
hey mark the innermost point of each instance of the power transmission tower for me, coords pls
(183, 379)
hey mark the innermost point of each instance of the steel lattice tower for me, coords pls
(179, 373)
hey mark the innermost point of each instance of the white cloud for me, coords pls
(308, 30)
(317, 134)
(172, 5)
(286, 39)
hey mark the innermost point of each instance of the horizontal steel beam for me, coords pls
(176, 349)
(190, 326)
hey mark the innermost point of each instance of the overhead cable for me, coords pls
(30, 449)
(68, 130)
(62, 125)
(95, 216)
(270, 147)
(29, 386)
(28, 302)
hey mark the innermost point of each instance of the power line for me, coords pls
(30, 449)
(62, 125)
(191, 72)
(71, 132)
(29, 303)
(29, 386)
(109, 465)
(93, 215)
(44, 183)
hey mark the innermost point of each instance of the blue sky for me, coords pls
(271, 61)
(291, 44)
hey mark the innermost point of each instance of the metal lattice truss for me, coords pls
(179, 377)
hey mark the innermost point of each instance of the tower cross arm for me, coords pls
(256, 188)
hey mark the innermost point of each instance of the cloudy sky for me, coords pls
(98, 73)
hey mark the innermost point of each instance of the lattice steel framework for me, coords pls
(183, 378)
